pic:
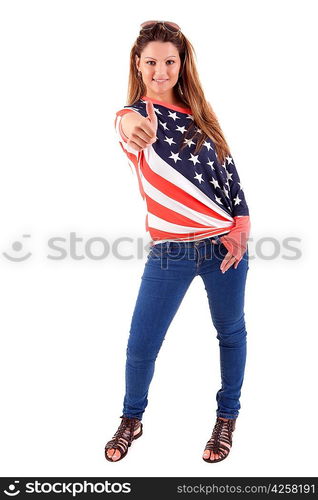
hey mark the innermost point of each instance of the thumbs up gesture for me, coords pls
(152, 117)
(144, 130)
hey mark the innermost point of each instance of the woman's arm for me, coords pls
(237, 239)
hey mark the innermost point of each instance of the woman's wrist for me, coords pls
(236, 240)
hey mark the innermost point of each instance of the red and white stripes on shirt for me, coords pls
(188, 196)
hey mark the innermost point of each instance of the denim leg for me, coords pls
(161, 292)
(226, 301)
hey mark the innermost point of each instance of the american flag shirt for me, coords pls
(188, 196)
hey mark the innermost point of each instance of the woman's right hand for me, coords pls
(144, 130)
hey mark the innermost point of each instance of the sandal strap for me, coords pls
(222, 433)
(117, 444)
(124, 435)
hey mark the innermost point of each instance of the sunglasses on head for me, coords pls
(172, 27)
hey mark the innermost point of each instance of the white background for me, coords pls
(65, 323)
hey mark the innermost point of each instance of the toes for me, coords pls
(113, 454)
(216, 456)
(210, 455)
(116, 455)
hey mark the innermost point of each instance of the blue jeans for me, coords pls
(168, 272)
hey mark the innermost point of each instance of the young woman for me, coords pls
(197, 219)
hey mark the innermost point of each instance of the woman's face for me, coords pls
(159, 64)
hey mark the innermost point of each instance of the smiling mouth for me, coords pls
(160, 81)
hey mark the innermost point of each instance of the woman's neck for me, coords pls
(176, 107)
(167, 98)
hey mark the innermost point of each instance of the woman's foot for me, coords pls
(219, 445)
(117, 447)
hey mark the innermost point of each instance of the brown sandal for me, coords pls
(123, 437)
(222, 433)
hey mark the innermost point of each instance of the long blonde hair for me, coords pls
(188, 89)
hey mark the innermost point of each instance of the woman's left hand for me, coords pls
(228, 261)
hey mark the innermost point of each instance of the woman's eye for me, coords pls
(170, 60)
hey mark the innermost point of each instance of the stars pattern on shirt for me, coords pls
(194, 159)
(218, 181)
(189, 142)
(207, 145)
(173, 115)
(175, 157)
(169, 140)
